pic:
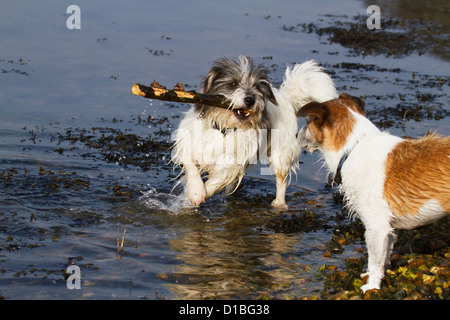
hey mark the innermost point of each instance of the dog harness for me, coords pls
(335, 179)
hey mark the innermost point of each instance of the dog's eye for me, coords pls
(233, 84)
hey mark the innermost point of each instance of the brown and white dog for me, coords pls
(389, 182)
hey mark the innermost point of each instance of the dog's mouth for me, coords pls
(310, 148)
(305, 142)
(242, 113)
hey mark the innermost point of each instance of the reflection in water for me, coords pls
(225, 252)
(227, 263)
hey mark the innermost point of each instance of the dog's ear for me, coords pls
(272, 98)
(211, 77)
(314, 111)
(266, 89)
(359, 102)
(264, 84)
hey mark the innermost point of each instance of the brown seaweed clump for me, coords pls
(396, 38)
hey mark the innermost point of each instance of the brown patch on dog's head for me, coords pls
(331, 122)
(357, 106)
(316, 114)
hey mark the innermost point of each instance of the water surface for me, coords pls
(84, 169)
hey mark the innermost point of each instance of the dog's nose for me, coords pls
(249, 101)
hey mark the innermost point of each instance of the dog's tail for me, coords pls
(307, 82)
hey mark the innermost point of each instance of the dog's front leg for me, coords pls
(212, 187)
(379, 240)
(280, 201)
(223, 176)
(195, 188)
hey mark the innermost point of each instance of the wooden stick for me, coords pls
(159, 92)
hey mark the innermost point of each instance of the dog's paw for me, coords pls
(195, 190)
(196, 197)
(372, 282)
(368, 287)
(279, 205)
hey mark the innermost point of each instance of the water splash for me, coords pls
(175, 204)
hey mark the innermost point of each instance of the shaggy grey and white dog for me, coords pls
(260, 125)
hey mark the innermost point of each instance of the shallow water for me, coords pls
(81, 183)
